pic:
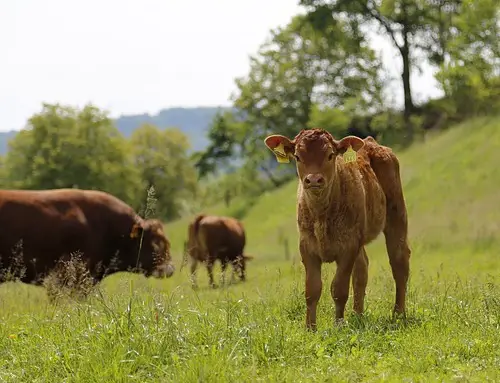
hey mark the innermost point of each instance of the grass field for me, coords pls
(139, 330)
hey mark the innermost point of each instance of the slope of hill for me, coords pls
(194, 122)
(451, 187)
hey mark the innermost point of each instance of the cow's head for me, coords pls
(315, 152)
(153, 248)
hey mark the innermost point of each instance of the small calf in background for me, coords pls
(215, 237)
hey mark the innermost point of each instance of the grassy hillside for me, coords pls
(450, 182)
(144, 330)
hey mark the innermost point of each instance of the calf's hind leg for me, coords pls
(386, 166)
(210, 270)
(194, 266)
(399, 258)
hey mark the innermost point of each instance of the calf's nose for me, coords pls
(314, 180)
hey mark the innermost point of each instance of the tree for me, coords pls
(222, 138)
(470, 73)
(161, 158)
(296, 68)
(411, 25)
(65, 147)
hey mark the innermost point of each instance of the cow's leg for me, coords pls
(194, 266)
(314, 285)
(239, 267)
(210, 270)
(242, 268)
(234, 268)
(340, 285)
(360, 280)
(223, 272)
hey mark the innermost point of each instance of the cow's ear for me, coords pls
(354, 142)
(281, 146)
(136, 230)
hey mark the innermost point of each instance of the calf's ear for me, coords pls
(281, 146)
(354, 142)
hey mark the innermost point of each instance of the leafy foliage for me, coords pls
(65, 147)
(162, 161)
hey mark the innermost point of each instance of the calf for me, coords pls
(213, 237)
(349, 191)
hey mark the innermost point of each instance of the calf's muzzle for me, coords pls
(314, 180)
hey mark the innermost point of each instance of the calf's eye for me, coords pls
(296, 158)
(330, 157)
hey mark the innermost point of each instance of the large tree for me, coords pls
(161, 158)
(297, 68)
(470, 71)
(64, 147)
(413, 26)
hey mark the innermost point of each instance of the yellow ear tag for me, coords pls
(349, 155)
(279, 152)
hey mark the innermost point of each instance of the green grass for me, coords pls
(141, 330)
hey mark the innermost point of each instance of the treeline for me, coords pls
(65, 147)
(319, 70)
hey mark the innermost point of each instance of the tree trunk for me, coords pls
(408, 111)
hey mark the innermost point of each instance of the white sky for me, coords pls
(136, 56)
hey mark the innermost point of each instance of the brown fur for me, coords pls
(213, 237)
(350, 206)
(54, 223)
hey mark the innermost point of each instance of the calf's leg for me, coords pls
(314, 285)
(223, 272)
(399, 258)
(360, 280)
(194, 266)
(340, 284)
(210, 270)
(386, 166)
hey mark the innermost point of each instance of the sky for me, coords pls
(139, 56)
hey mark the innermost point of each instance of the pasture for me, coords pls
(134, 329)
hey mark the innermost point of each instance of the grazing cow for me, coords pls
(51, 224)
(211, 238)
(343, 204)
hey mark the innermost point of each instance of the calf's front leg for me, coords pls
(314, 285)
(340, 284)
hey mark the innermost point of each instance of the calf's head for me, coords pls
(153, 248)
(315, 152)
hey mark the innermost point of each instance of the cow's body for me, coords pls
(48, 225)
(343, 206)
(212, 238)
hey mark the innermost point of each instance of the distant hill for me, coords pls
(194, 122)
(4, 139)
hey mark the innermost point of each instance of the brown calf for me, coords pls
(211, 238)
(343, 204)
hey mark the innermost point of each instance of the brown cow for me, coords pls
(343, 204)
(54, 223)
(213, 237)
